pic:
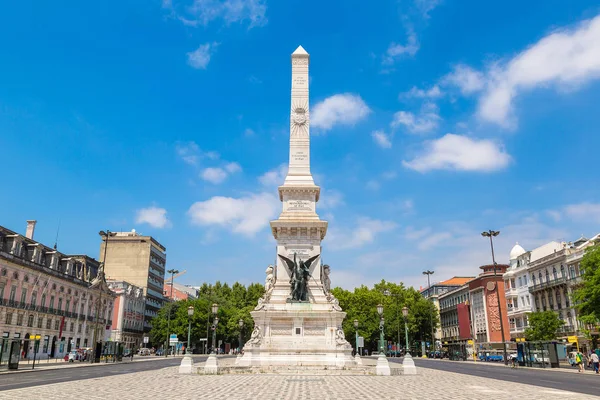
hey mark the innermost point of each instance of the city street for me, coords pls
(587, 383)
(79, 374)
(168, 384)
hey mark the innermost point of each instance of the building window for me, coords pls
(20, 318)
(23, 295)
(525, 279)
(72, 327)
(1, 292)
(87, 330)
(67, 305)
(51, 302)
(59, 304)
(533, 279)
(572, 272)
(554, 273)
(30, 321)
(33, 299)
(540, 276)
(40, 323)
(56, 325)
(43, 303)
(46, 342)
(512, 283)
(79, 328)
(562, 271)
(13, 293)
(49, 323)
(9, 318)
(520, 282)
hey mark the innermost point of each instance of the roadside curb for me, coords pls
(81, 365)
(501, 365)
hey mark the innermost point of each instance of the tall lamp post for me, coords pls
(387, 292)
(381, 322)
(241, 325)
(168, 344)
(105, 236)
(214, 309)
(356, 336)
(491, 234)
(405, 315)
(428, 273)
(189, 343)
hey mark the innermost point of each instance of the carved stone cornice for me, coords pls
(298, 190)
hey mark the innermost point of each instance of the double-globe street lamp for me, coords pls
(241, 325)
(214, 309)
(492, 234)
(430, 296)
(168, 344)
(405, 315)
(381, 322)
(356, 336)
(189, 342)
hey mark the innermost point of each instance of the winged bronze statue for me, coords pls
(299, 273)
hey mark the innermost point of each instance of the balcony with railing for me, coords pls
(555, 281)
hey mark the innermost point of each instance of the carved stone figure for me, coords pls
(261, 304)
(269, 282)
(340, 337)
(326, 281)
(256, 336)
(129, 289)
(138, 292)
(335, 303)
(299, 274)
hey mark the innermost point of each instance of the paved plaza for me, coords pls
(167, 384)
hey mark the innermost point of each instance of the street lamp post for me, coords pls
(405, 315)
(189, 343)
(381, 322)
(356, 335)
(387, 292)
(491, 234)
(168, 344)
(105, 236)
(241, 324)
(428, 273)
(215, 310)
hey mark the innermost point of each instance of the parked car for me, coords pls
(144, 352)
(74, 355)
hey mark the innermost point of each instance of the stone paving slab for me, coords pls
(167, 384)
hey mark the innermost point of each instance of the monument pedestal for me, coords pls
(212, 365)
(408, 365)
(383, 366)
(187, 365)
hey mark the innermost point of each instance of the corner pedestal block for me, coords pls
(408, 365)
(383, 366)
(187, 365)
(212, 365)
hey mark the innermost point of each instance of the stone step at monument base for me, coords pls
(301, 370)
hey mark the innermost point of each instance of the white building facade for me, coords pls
(516, 288)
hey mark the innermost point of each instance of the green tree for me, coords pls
(587, 296)
(543, 325)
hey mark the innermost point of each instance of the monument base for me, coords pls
(187, 365)
(212, 365)
(408, 365)
(298, 334)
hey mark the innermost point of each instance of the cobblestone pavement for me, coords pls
(167, 384)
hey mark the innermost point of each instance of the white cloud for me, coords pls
(396, 50)
(330, 199)
(427, 120)
(433, 92)
(339, 109)
(382, 139)
(411, 233)
(217, 175)
(456, 152)
(200, 57)
(213, 175)
(249, 132)
(584, 211)
(565, 58)
(425, 6)
(189, 152)
(233, 167)
(466, 79)
(433, 240)
(246, 215)
(202, 12)
(274, 177)
(153, 216)
(364, 232)
(373, 185)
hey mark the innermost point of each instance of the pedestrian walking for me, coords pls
(579, 361)
(595, 361)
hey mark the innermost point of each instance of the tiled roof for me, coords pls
(456, 281)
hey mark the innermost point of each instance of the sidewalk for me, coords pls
(566, 370)
(52, 365)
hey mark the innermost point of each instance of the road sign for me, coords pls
(361, 341)
(173, 339)
(147, 339)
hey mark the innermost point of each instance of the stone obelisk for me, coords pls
(289, 332)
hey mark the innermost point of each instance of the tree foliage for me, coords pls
(543, 325)
(587, 296)
(234, 302)
(361, 304)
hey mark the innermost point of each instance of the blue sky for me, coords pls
(431, 121)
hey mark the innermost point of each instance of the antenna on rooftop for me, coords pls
(56, 239)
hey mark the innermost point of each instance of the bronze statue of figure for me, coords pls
(299, 273)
